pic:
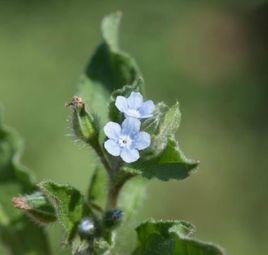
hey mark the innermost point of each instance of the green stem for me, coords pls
(114, 190)
(116, 182)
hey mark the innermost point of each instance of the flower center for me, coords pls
(125, 141)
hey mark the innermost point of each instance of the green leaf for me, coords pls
(164, 159)
(170, 164)
(170, 238)
(109, 69)
(110, 30)
(69, 205)
(98, 188)
(167, 128)
(18, 235)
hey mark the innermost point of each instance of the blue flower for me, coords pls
(133, 106)
(126, 140)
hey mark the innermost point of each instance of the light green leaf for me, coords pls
(167, 128)
(98, 188)
(110, 30)
(132, 197)
(69, 205)
(170, 238)
(109, 69)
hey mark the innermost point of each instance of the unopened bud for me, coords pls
(112, 218)
(83, 122)
(37, 207)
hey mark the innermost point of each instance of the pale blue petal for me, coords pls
(130, 126)
(112, 147)
(147, 109)
(135, 100)
(121, 103)
(132, 113)
(112, 130)
(142, 140)
(129, 155)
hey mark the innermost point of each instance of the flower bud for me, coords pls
(37, 207)
(83, 122)
(112, 219)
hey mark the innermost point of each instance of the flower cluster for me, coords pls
(126, 140)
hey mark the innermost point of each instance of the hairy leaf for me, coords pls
(68, 203)
(170, 164)
(170, 237)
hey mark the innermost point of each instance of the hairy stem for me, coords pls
(116, 181)
(115, 188)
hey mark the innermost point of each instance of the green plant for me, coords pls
(141, 144)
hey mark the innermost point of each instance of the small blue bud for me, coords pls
(112, 218)
(117, 215)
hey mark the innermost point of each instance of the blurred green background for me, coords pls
(212, 57)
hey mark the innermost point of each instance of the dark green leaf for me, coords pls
(171, 163)
(109, 69)
(170, 238)
(68, 203)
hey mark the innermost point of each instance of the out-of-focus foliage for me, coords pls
(18, 234)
